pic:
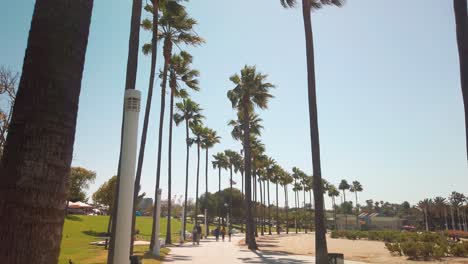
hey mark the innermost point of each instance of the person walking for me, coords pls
(216, 233)
(230, 233)
(194, 235)
(223, 233)
(199, 234)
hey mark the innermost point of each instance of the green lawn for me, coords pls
(79, 231)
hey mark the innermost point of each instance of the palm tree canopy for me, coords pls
(220, 161)
(199, 132)
(181, 74)
(356, 187)
(314, 4)
(210, 138)
(332, 191)
(188, 110)
(344, 185)
(238, 163)
(255, 125)
(252, 85)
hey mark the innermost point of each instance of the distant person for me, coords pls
(223, 233)
(230, 233)
(216, 233)
(199, 234)
(194, 235)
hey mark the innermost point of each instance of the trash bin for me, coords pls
(335, 258)
(134, 260)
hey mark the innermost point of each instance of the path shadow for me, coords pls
(74, 218)
(94, 233)
(272, 258)
(175, 258)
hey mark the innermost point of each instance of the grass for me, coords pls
(79, 231)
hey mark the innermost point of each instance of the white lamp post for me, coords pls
(123, 230)
(157, 245)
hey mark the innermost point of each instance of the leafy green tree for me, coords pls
(79, 181)
(188, 112)
(320, 238)
(355, 188)
(251, 90)
(181, 75)
(35, 164)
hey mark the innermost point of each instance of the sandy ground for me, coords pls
(358, 250)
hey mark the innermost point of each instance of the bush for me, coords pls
(459, 249)
(394, 248)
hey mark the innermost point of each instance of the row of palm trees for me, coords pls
(452, 210)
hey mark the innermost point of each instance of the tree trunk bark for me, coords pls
(286, 207)
(243, 196)
(219, 193)
(198, 178)
(295, 209)
(277, 211)
(357, 212)
(252, 245)
(206, 188)
(261, 208)
(320, 238)
(230, 199)
(141, 154)
(269, 209)
(453, 218)
(167, 59)
(35, 166)
(461, 21)
(169, 171)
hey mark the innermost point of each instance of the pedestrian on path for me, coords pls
(216, 233)
(194, 235)
(199, 234)
(230, 233)
(223, 233)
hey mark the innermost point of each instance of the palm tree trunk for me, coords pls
(167, 58)
(206, 186)
(36, 160)
(184, 221)
(344, 209)
(295, 207)
(269, 208)
(261, 208)
(230, 198)
(461, 21)
(286, 198)
(445, 216)
(311, 211)
(453, 218)
(252, 245)
(198, 178)
(320, 239)
(305, 213)
(334, 211)
(169, 171)
(357, 212)
(243, 196)
(255, 214)
(219, 194)
(459, 218)
(277, 211)
(141, 155)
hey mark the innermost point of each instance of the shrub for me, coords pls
(394, 248)
(459, 249)
(410, 249)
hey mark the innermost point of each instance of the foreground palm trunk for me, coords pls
(320, 229)
(169, 168)
(36, 162)
(184, 221)
(269, 207)
(198, 179)
(252, 244)
(141, 154)
(461, 21)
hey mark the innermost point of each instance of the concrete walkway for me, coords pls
(211, 252)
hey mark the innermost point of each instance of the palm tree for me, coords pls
(271, 176)
(457, 199)
(461, 19)
(42, 133)
(180, 75)
(333, 192)
(355, 188)
(441, 206)
(320, 239)
(297, 175)
(343, 187)
(221, 162)
(238, 163)
(285, 180)
(231, 156)
(176, 27)
(210, 139)
(188, 112)
(304, 182)
(251, 89)
(199, 132)
(257, 150)
(424, 205)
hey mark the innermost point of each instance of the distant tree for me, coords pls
(105, 193)
(79, 181)
(343, 187)
(355, 188)
(332, 193)
(8, 81)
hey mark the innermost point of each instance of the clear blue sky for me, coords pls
(390, 105)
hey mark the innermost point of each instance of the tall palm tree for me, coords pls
(176, 27)
(180, 75)
(461, 20)
(343, 187)
(231, 156)
(42, 133)
(297, 175)
(332, 193)
(320, 238)
(251, 90)
(285, 180)
(199, 132)
(355, 188)
(257, 150)
(425, 205)
(220, 162)
(441, 206)
(270, 176)
(238, 163)
(210, 139)
(304, 182)
(188, 112)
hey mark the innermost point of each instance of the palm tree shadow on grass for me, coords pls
(272, 258)
(74, 218)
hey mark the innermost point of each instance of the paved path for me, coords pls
(211, 252)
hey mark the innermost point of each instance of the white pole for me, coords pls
(123, 230)
(157, 245)
(182, 231)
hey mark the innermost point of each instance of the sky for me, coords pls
(389, 99)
